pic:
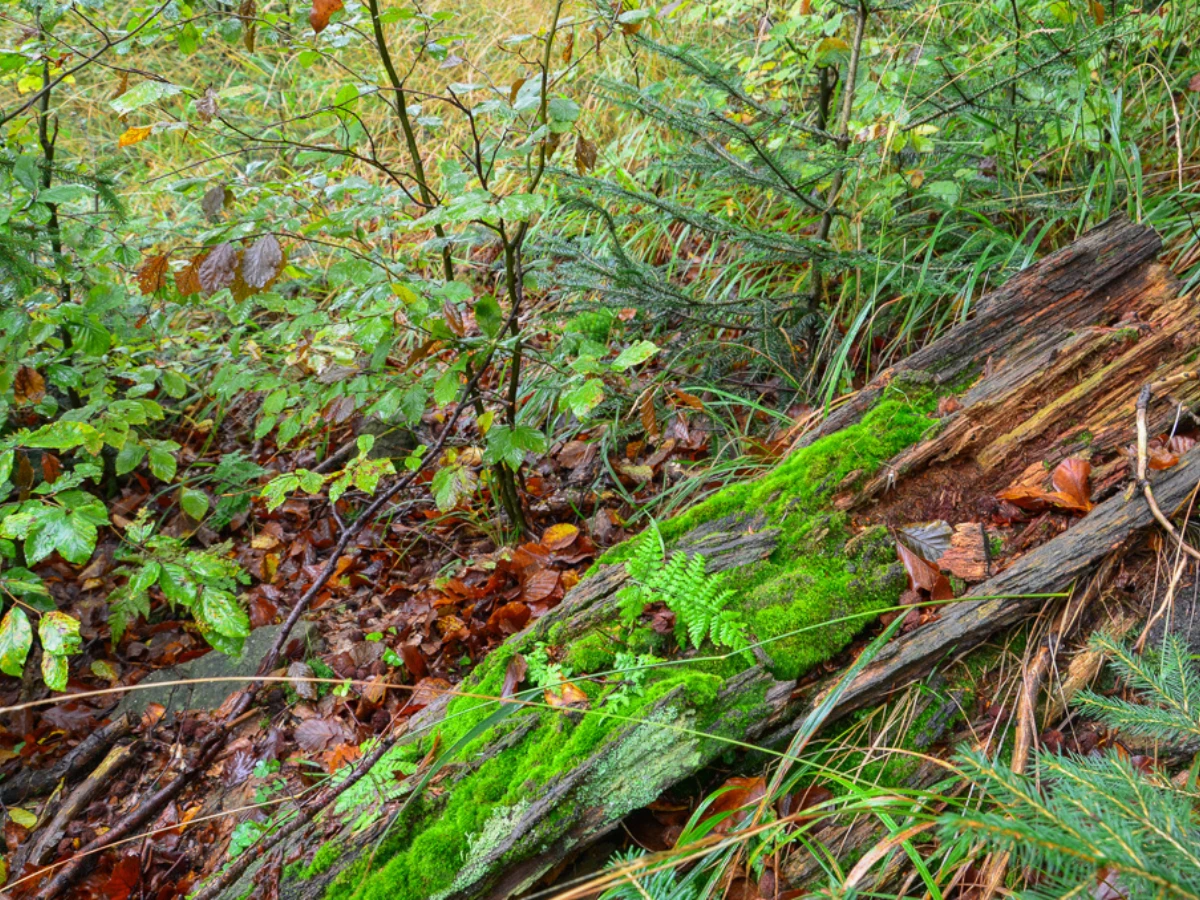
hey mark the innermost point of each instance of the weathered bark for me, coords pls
(1058, 354)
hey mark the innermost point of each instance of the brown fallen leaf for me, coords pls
(737, 796)
(568, 696)
(321, 12)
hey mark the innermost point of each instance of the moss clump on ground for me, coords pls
(816, 574)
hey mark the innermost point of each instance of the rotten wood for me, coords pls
(34, 782)
(1058, 355)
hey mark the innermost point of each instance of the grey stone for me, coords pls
(208, 695)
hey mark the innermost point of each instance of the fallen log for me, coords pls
(484, 795)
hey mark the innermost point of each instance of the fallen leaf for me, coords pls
(320, 734)
(924, 575)
(298, 672)
(559, 536)
(514, 675)
(737, 794)
(568, 696)
(509, 618)
(1071, 479)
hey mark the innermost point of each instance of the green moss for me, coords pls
(815, 575)
(591, 653)
(322, 861)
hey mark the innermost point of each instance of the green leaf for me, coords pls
(634, 354)
(173, 384)
(23, 817)
(55, 671)
(142, 95)
(162, 460)
(177, 584)
(63, 435)
(131, 456)
(66, 193)
(509, 445)
(194, 503)
(16, 637)
(446, 388)
(59, 634)
(488, 316)
(452, 484)
(583, 399)
(6, 464)
(220, 611)
(25, 172)
(73, 535)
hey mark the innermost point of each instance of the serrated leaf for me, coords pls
(451, 485)
(219, 268)
(162, 463)
(16, 637)
(263, 262)
(488, 316)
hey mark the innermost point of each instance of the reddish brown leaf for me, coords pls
(340, 756)
(1071, 479)
(320, 734)
(509, 618)
(541, 585)
(793, 804)
(1194, 83)
(924, 575)
(321, 11)
(51, 468)
(187, 279)
(426, 691)
(737, 795)
(28, 386)
(514, 675)
(126, 876)
(152, 275)
(414, 662)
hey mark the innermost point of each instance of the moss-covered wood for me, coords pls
(811, 562)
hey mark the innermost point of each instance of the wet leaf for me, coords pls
(924, 575)
(929, 539)
(737, 796)
(214, 202)
(219, 269)
(514, 674)
(16, 637)
(567, 695)
(556, 537)
(263, 262)
(320, 734)
(299, 671)
(1071, 479)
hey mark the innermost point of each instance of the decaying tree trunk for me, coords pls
(1057, 356)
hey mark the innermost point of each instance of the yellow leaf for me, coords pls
(22, 817)
(134, 135)
(559, 536)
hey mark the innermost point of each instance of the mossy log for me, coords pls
(1049, 367)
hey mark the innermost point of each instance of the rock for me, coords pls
(208, 695)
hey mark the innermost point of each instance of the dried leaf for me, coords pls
(568, 696)
(28, 386)
(206, 106)
(514, 90)
(510, 618)
(541, 585)
(263, 262)
(1070, 479)
(320, 734)
(556, 537)
(924, 575)
(514, 675)
(214, 201)
(585, 154)
(298, 672)
(737, 795)
(321, 11)
(187, 279)
(219, 269)
(152, 275)
(134, 135)
(929, 539)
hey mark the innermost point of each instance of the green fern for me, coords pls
(699, 600)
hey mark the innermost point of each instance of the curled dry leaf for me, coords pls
(514, 675)
(322, 10)
(568, 696)
(585, 154)
(219, 269)
(1072, 490)
(924, 575)
(152, 275)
